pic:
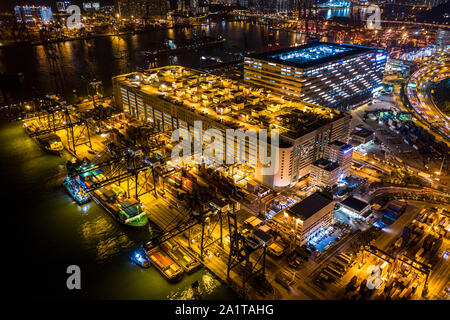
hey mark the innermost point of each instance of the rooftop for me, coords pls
(344, 147)
(362, 132)
(354, 204)
(312, 54)
(234, 104)
(309, 206)
(326, 164)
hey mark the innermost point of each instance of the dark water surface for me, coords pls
(44, 231)
(66, 66)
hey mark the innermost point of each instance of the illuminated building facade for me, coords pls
(62, 6)
(341, 153)
(139, 9)
(174, 97)
(33, 14)
(305, 219)
(324, 173)
(328, 74)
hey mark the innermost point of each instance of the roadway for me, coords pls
(422, 103)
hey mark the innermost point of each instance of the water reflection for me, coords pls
(103, 236)
(330, 13)
(207, 285)
(62, 67)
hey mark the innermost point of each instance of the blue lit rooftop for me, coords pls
(312, 54)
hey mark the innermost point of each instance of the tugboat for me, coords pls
(141, 260)
(76, 191)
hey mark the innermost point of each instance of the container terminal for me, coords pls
(122, 162)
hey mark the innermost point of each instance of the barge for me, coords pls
(49, 142)
(168, 268)
(180, 46)
(181, 256)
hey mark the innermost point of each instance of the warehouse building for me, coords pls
(305, 219)
(362, 135)
(356, 207)
(175, 97)
(329, 74)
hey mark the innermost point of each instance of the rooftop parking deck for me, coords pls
(231, 102)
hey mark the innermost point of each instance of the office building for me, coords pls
(443, 38)
(328, 74)
(174, 97)
(61, 6)
(91, 6)
(141, 9)
(33, 14)
(324, 173)
(341, 153)
(305, 219)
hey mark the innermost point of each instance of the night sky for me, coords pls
(8, 5)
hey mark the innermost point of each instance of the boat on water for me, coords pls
(127, 211)
(161, 260)
(181, 256)
(49, 142)
(141, 260)
(76, 191)
(179, 46)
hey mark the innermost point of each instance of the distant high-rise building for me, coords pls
(91, 6)
(443, 38)
(33, 14)
(142, 9)
(61, 6)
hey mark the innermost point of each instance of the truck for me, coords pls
(419, 253)
(344, 258)
(334, 271)
(352, 284)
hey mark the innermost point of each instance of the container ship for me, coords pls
(50, 142)
(181, 256)
(127, 211)
(179, 46)
(169, 269)
(76, 191)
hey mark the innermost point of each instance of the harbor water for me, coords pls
(45, 231)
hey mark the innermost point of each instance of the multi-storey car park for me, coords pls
(329, 74)
(174, 97)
